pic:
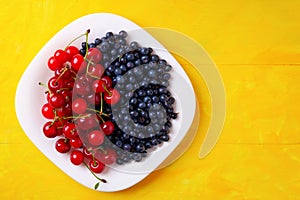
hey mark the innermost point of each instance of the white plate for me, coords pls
(30, 98)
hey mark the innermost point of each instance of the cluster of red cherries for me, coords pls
(81, 97)
(76, 87)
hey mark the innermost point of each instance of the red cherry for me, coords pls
(69, 83)
(47, 111)
(96, 166)
(77, 62)
(107, 127)
(71, 51)
(79, 106)
(87, 153)
(57, 101)
(68, 109)
(50, 129)
(96, 70)
(83, 85)
(94, 98)
(60, 123)
(53, 64)
(62, 145)
(63, 72)
(107, 81)
(69, 130)
(61, 56)
(60, 112)
(67, 94)
(76, 142)
(76, 157)
(94, 55)
(108, 156)
(86, 123)
(98, 86)
(54, 84)
(112, 97)
(95, 137)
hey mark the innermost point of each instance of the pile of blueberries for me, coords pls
(142, 117)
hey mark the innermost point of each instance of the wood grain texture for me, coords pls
(256, 46)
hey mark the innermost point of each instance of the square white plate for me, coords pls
(30, 97)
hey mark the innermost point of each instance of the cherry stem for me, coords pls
(44, 85)
(61, 74)
(101, 102)
(84, 34)
(100, 148)
(109, 93)
(101, 118)
(100, 179)
(86, 43)
(77, 117)
(98, 112)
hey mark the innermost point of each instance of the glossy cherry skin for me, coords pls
(57, 101)
(50, 129)
(79, 106)
(62, 145)
(94, 55)
(47, 111)
(76, 157)
(107, 127)
(96, 166)
(71, 51)
(70, 131)
(112, 97)
(96, 137)
(108, 156)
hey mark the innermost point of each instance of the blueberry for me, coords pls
(168, 68)
(144, 51)
(166, 76)
(130, 65)
(109, 34)
(126, 147)
(130, 57)
(104, 46)
(134, 45)
(138, 62)
(171, 100)
(119, 143)
(83, 45)
(118, 71)
(123, 68)
(142, 105)
(154, 58)
(148, 145)
(141, 93)
(145, 59)
(97, 41)
(123, 34)
(119, 161)
(140, 148)
(155, 99)
(162, 62)
(147, 99)
(92, 45)
(137, 157)
(82, 52)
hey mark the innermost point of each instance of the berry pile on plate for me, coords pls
(108, 101)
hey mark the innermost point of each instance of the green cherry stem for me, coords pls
(44, 85)
(100, 179)
(86, 43)
(84, 34)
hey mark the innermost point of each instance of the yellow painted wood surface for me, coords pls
(256, 46)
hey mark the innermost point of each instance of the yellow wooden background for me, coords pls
(256, 46)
